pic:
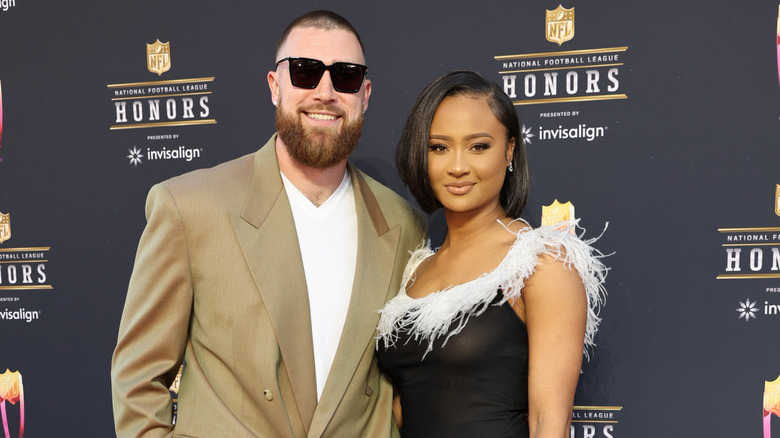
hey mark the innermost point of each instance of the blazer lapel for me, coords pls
(266, 232)
(377, 246)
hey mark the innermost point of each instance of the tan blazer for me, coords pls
(218, 280)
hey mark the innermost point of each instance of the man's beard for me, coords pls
(317, 147)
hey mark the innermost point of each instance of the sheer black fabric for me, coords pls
(474, 386)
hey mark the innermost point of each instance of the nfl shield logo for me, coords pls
(560, 25)
(777, 200)
(158, 57)
(10, 387)
(5, 227)
(12, 391)
(557, 212)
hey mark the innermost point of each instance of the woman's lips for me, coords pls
(459, 188)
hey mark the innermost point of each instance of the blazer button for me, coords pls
(369, 391)
(268, 395)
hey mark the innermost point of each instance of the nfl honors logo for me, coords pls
(158, 57)
(5, 227)
(560, 25)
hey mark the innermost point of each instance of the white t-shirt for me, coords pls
(327, 236)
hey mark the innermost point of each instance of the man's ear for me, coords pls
(273, 85)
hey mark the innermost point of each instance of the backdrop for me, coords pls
(659, 117)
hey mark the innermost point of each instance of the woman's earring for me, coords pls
(512, 146)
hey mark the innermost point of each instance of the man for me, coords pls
(265, 273)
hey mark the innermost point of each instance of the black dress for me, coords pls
(459, 357)
(474, 386)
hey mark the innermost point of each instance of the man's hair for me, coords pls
(320, 19)
(411, 156)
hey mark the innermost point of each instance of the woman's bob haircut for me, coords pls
(411, 156)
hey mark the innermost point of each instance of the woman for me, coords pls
(485, 338)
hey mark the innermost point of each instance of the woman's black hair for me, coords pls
(411, 156)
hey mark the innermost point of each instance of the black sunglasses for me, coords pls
(306, 73)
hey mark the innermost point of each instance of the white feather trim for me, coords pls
(430, 317)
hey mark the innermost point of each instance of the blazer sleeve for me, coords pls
(153, 330)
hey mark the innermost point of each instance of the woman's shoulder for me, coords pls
(557, 243)
(560, 245)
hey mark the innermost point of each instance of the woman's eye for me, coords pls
(480, 146)
(437, 147)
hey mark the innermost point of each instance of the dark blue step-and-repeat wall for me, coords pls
(661, 118)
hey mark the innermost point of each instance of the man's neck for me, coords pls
(316, 184)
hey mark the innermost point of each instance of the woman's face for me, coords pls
(467, 154)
